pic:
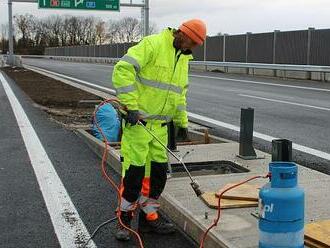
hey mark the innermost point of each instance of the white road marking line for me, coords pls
(265, 137)
(286, 102)
(255, 134)
(261, 83)
(75, 79)
(69, 228)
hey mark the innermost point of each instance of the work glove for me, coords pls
(182, 134)
(132, 117)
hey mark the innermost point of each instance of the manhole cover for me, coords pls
(208, 168)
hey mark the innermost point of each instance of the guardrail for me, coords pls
(278, 70)
(283, 67)
(76, 59)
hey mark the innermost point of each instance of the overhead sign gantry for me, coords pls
(112, 5)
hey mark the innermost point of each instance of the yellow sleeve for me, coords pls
(125, 71)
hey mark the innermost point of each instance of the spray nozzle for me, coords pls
(196, 188)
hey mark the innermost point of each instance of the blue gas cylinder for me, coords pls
(281, 208)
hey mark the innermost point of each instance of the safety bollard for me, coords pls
(246, 150)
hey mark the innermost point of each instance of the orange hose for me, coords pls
(104, 173)
(216, 220)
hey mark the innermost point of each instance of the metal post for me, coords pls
(308, 59)
(204, 52)
(310, 31)
(281, 150)
(246, 150)
(146, 17)
(274, 45)
(10, 33)
(247, 50)
(274, 49)
(247, 46)
(224, 48)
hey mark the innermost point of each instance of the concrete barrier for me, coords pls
(2, 61)
(18, 61)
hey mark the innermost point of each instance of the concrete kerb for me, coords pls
(97, 146)
(185, 220)
(170, 206)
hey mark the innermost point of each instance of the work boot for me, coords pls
(122, 234)
(159, 225)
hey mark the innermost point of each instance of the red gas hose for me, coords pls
(104, 173)
(216, 220)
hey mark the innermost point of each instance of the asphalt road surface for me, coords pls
(297, 110)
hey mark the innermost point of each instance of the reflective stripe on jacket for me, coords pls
(153, 79)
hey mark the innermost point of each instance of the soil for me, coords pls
(65, 104)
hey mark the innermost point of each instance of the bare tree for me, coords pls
(34, 34)
(4, 31)
(64, 34)
(126, 30)
(100, 32)
(54, 26)
(4, 37)
(39, 33)
(129, 29)
(73, 30)
(89, 31)
(153, 28)
(24, 25)
(113, 29)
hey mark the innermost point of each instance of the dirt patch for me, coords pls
(68, 105)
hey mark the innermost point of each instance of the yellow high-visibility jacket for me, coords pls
(153, 78)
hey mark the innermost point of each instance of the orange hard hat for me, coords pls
(195, 29)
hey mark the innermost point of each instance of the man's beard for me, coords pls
(177, 43)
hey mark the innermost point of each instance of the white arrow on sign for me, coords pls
(77, 2)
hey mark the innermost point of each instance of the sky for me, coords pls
(231, 17)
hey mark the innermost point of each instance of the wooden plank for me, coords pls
(318, 232)
(248, 192)
(312, 244)
(212, 201)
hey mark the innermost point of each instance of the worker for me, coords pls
(151, 82)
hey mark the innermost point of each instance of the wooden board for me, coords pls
(318, 232)
(312, 244)
(243, 192)
(212, 201)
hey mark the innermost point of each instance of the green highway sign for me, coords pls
(80, 4)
